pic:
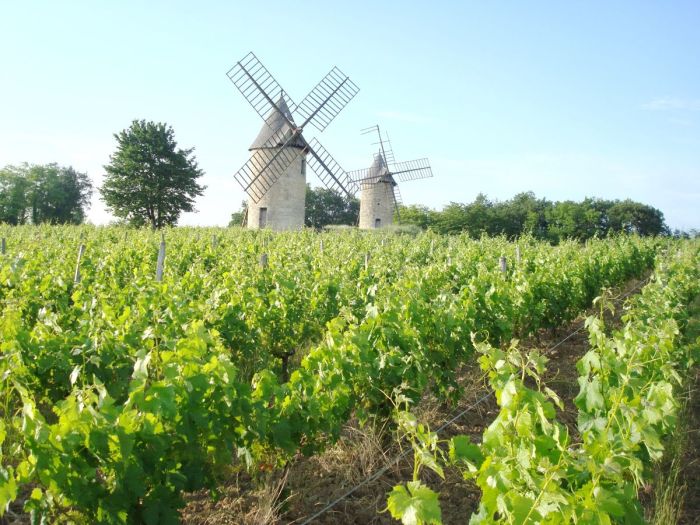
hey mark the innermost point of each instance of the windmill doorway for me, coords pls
(262, 219)
(377, 223)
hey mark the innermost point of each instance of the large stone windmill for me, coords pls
(379, 189)
(275, 175)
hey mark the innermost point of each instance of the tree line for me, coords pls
(149, 181)
(525, 213)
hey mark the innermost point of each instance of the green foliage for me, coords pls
(414, 504)
(632, 217)
(525, 214)
(420, 216)
(120, 392)
(43, 193)
(528, 469)
(326, 207)
(237, 216)
(149, 181)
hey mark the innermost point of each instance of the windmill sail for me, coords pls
(268, 163)
(398, 201)
(327, 99)
(412, 170)
(329, 171)
(257, 85)
(371, 175)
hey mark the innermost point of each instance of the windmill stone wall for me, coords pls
(377, 205)
(284, 202)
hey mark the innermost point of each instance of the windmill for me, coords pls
(380, 195)
(275, 175)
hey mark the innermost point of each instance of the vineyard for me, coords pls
(136, 369)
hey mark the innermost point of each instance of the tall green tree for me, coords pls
(325, 207)
(633, 217)
(43, 193)
(149, 180)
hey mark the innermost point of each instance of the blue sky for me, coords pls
(567, 99)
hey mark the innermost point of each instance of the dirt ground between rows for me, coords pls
(310, 484)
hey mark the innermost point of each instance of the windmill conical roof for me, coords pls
(275, 122)
(378, 171)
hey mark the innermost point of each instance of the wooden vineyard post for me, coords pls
(214, 242)
(76, 276)
(161, 259)
(502, 264)
(263, 261)
(517, 254)
(3, 246)
(321, 245)
(366, 261)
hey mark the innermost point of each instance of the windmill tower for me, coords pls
(379, 195)
(275, 175)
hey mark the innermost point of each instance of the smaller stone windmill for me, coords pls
(275, 176)
(379, 189)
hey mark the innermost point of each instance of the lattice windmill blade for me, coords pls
(388, 151)
(258, 86)
(363, 175)
(412, 170)
(384, 143)
(327, 99)
(398, 201)
(369, 181)
(372, 174)
(328, 170)
(267, 164)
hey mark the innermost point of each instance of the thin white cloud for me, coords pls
(670, 103)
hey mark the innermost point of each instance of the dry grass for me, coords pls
(675, 493)
(358, 454)
(270, 502)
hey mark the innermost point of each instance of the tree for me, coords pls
(237, 216)
(325, 207)
(13, 195)
(452, 219)
(148, 180)
(43, 193)
(633, 217)
(421, 216)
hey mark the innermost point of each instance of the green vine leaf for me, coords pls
(414, 504)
